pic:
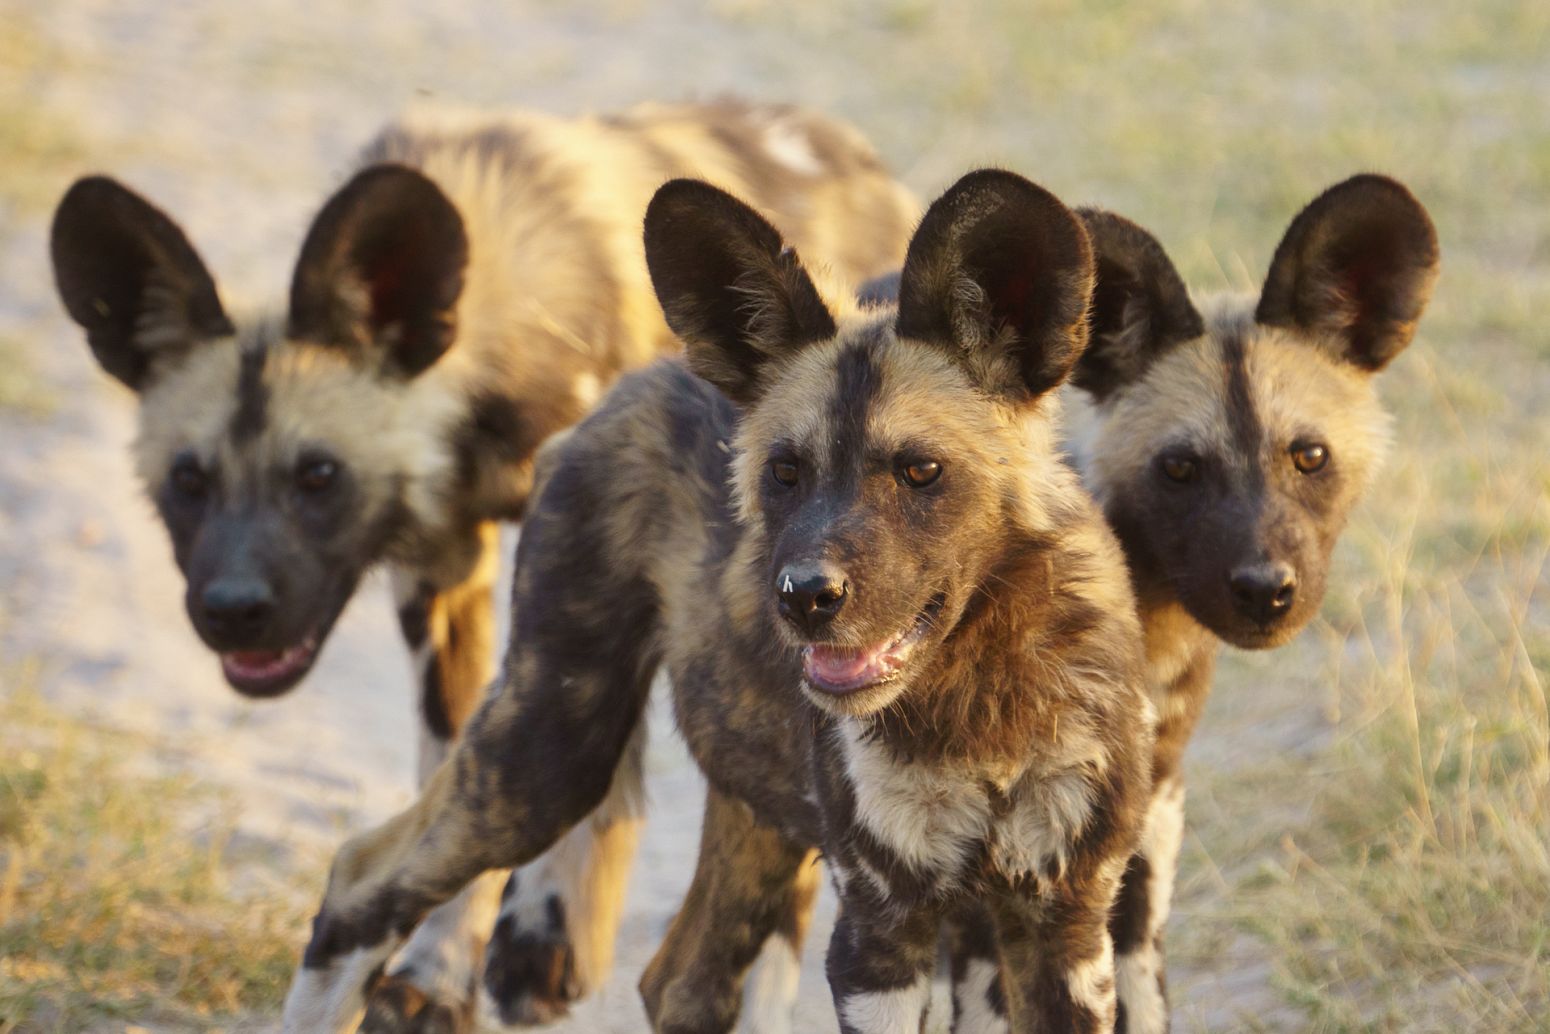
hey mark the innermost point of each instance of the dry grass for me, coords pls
(123, 895)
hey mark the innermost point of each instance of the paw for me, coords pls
(531, 973)
(395, 1006)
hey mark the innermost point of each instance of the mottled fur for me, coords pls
(1004, 759)
(472, 290)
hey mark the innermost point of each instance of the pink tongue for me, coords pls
(838, 664)
(263, 663)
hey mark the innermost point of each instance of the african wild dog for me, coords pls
(896, 628)
(470, 291)
(1230, 442)
(1229, 448)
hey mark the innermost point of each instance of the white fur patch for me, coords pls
(771, 990)
(1136, 976)
(587, 389)
(971, 1000)
(929, 817)
(888, 1012)
(1091, 981)
(933, 817)
(1041, 830)
(789, 145)
(1164, 832)
(329, 1000)
(1137, 972)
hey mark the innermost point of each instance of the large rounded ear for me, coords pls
(129, 276)
(1140, 308)
(381, 270)
(1357, 266)
(999, 275)
(728, 286)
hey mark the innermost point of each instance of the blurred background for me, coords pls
(1368, 808)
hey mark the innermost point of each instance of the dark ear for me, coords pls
(1358, 264)
(1140, 305)
(999, 274)
(129, 276)
(729, 288)
(381, 271)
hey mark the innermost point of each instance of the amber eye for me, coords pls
(315, 475)
(1178, 468)
(1309, 459)
(921, 474)
(784, 472)
(189, 479)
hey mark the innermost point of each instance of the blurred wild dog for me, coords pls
(470, 291)
(1229, 443)
(897, 630)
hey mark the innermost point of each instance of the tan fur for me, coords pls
(1298, 390)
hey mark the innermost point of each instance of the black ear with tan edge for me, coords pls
(729, 288)
(1358, 265)
(381, 270)
(999, 275)
(129, 276)
(1140, 309)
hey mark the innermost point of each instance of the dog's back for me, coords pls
(556, 301)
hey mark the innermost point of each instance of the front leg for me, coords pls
(974, 965)
(537, 757)
(1057, 955)
(880, 960)
(554, 938)
(1141, 912)
(384, 882)
(752, 886)
(431, 985)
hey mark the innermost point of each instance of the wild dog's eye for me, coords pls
(1309, 457)
(1179, 468)
(784, 471)
(920, 473)
(316, 474)
(189, 478)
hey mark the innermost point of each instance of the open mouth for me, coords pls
(264, 673)
(841, 670)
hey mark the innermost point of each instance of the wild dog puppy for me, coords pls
(1231, 440)
(897, 630)
(467, 293)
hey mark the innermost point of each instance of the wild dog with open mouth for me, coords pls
(466, 294)
(896, 628)
(1230, 442)
(1228, 450)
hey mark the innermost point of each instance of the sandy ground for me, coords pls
(239, 120)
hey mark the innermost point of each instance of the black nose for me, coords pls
(810, 595)
(1263, 592)
(237, 610)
